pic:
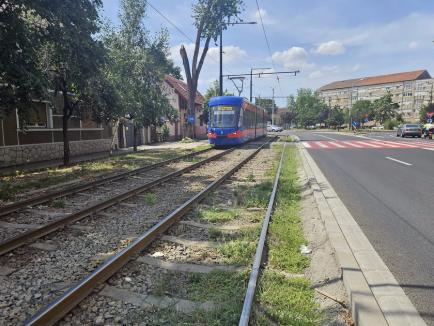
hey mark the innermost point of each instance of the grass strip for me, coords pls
(281, 299)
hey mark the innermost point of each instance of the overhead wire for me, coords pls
(268, 43)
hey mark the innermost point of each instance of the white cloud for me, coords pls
(316, 74)
(293, 58)
(266, 18)
(413, 45)
(330, 48)
(231, 53)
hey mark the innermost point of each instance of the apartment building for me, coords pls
(411, 90)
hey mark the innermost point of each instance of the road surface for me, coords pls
(387, 183)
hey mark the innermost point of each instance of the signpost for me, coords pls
(190, 119)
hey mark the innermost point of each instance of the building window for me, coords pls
(37, 116)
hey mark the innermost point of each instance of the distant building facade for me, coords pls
(411, 90)
(177, 93)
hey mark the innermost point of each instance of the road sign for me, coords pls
(429, 120)
(190, 119)
(355, 123)
(366, 119)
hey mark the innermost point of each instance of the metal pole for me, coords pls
(221, 62)
(251, 84)
(272, 109)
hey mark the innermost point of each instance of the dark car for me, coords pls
(405, 130)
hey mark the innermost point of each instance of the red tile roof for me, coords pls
(182, 89)
(375, 80)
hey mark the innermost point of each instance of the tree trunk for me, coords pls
(65, 118)
(134, 137)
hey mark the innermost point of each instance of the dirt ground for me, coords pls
(324, 271)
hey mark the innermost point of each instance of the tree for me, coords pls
(287, 119)
(212, 91)
(429, 108)
(138, 65)
(384, 108)
(21, 34)
(266, 103)
(210, 17)
(309, 108)
(336, 118)
(72, 57)
(362, 109)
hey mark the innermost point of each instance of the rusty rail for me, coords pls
(57, 309)
(8, 209)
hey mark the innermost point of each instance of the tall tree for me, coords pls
(309, 108)
(72, 57)
(139, 63)
(21, 80)
(210, 17)
(385, 108)
(362, 109)
(336, 118)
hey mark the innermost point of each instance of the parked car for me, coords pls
(378, 128)
(274, 128)
(405, 130)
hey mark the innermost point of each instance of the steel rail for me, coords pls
(253, 280)
(57, 309)
(34, 234)
(8, 209)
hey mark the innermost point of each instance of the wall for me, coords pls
(14, 155)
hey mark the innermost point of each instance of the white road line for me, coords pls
(368, 144)
(352, 144)
(327, 137)
(306, 144)
(398, 161)
(320, 144)
(333, 143)
(396, 145)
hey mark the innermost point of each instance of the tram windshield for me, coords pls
(223, 116)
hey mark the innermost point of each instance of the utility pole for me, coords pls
(221, 62)
(251, 81)
(272, 109)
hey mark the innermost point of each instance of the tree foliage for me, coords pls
(385, 108)
(337, 117)
(138, 64)
(309, 109)
(210, 17)
(362, 109)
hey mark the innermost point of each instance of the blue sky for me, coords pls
(326, 40)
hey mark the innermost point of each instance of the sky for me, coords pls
(325, 40)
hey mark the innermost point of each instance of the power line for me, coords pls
(177, 28)
(268, 43)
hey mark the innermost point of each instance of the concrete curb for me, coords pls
(375, 296)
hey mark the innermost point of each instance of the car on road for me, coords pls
(405, 130)
(274, 128)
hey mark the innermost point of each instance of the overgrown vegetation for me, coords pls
(150, 198)
(216, 214)
(21, 182)
(281, 299)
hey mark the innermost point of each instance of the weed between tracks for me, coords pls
(21, 182)
(280, 298)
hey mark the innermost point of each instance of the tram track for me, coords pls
(42, 230)
(58, 193)
(47, 287)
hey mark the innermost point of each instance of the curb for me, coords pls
(375, 295)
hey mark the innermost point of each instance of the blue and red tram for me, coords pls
(234, 120)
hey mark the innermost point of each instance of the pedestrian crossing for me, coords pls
(368, 144)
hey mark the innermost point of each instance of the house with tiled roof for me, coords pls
(411, 90)
(177, 92)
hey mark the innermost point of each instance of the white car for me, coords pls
(274, 128)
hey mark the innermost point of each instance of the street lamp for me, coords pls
(221, 51)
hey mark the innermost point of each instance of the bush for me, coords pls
(390, 124)
(165, 131)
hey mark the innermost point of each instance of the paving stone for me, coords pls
(185, 267)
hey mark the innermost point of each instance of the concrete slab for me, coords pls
(146, 300)
(190, 243)
(45, 246)
(185, 267)
(5, 271)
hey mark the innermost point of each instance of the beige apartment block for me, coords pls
(411, 90)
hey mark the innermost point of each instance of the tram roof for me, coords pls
(226, 100)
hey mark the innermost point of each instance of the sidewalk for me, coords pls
(34, 166)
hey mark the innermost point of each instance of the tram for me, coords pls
(233, 120)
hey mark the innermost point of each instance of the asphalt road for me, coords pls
(390, 193)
